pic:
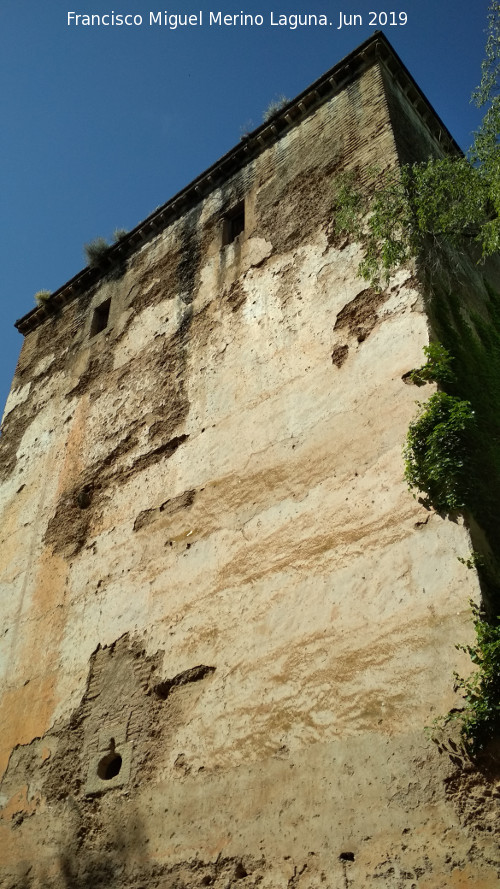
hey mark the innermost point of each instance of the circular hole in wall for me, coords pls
(109, 766)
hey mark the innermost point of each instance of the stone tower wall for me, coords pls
(212, 568)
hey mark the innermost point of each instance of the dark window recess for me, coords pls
(100, 317)
(109, 766)
(233, 223)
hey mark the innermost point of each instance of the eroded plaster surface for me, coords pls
(225, 621)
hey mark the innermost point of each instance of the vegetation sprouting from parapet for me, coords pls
(42, 297)
(274, 106)
(96, 251)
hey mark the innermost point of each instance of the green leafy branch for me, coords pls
(436, 451)
(485, 152)
(437, 368)
(414, 211)
(427, 208)
(438, 439)
(439, 455)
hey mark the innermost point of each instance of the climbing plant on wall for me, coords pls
(452, 456)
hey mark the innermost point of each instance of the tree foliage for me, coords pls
(426, 208)
(437, 368)
(485, 152)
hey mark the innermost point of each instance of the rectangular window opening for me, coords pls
(233, 224)
(100, 317)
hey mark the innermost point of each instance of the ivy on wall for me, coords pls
(452, 455)
(436, 452)
(480, 716)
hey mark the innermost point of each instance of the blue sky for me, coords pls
(102, 125)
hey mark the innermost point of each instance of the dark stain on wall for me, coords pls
(360, 315)
(292, 207)
(14, 426)
(339, 355)
(164, 364)
(68, 529)
(168, 507)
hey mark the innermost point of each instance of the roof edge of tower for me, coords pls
(376, 47)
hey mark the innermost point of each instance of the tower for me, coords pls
(226, 620)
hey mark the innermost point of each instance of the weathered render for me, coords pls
(225, 620)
